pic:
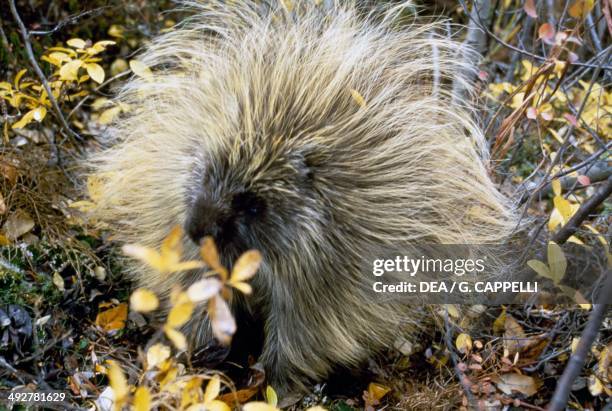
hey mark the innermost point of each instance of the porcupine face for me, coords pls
(253, 198)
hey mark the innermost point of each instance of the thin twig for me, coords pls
(525, 52)
(578, 358)
(570, 130)
(463, 380)
(583, 212)
(25, 35)
(70, 20)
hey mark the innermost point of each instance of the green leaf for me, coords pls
(556, 262)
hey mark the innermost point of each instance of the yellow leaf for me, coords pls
(94, 187)
(100, 102)
(212, 389)
(142, 399)
(210, 255)
(118, 383)
(70, 70)
(179, 314)
(40, 113)
(217, 405)
(244, 288)
(575, 240)
(58, 281)
(25, 120)
(581, 8)
(100, 46)
(177, 338)
(68, 51)
(4, 241)
(59, 56)
(112, 319)
(115, 31)
(144, 254)
(540, 268)
(500, 321)
(258, 406)
(77, 43)
(96, 72)
(600, 237)
(140, 69)
(358, 98)
(108, 115)
(378, 391)
(574, 344)
(171, 248)
(156, 354)
(18, 77)
(556, 186)
(564, 207)
(556, 135)
(463, 343)
(557, 262)
(452, 310)
(555, 219)
(143, 300)
(246, 266)
(605, 358)
(595, 386)
(271, 396)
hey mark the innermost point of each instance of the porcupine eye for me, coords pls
(249, 204)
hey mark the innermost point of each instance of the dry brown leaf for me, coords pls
(112, 319)
(509, 383)
(546, 32)
(514, 336)
(17, 224)
(377, 391)
(2, 205)
(530, 9)
(210, 256)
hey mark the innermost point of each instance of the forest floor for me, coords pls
(66, 323)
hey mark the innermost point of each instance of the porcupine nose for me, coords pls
(204, 219)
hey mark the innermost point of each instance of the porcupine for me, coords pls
(311, 133)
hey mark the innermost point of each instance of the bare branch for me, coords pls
(476, 39)
(525, 52)
(70, 20)
(578, 358)
(583, 212)
(25, 35)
